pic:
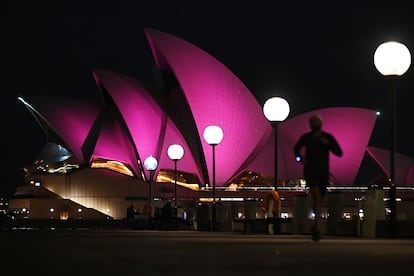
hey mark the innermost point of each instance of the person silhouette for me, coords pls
(167, 210)
(131, 212)
(317, 145)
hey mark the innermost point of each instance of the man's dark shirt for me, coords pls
(316, 157)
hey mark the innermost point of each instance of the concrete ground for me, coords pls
(108, 252)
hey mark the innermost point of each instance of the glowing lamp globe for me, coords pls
(151, 163)
(175, 152)
(213, 135)
(392, 58)
(276, 109)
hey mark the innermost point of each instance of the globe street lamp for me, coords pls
(213, 135)
(151, 165)
(175, 152)
(392, 59)
(276, 110)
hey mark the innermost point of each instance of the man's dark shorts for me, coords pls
(322, 184)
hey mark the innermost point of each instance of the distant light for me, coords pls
(151, 163)
(361, 213)
(312, 215)
(52, 210)
(392, 58)
(231, 199)
(378, 113)
(213, 135)
(79, 210)
(37, 184)
(276, 109)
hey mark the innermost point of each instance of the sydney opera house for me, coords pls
(93, 165)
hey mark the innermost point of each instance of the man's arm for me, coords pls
(298, 146)
(335, 147)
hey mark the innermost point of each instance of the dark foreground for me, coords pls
(102, 252)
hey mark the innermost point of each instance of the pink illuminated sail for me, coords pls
(216, 97)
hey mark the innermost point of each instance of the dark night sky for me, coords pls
(315, 55)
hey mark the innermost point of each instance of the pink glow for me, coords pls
(150, 129)
(404, 165)
(143, 117)
(187, 163)
(70, 119)
(114, 144)
(352, 128)
(216, 97)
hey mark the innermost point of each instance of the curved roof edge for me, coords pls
(404, 165)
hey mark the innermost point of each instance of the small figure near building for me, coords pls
(131, 212)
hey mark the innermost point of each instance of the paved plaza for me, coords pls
(103, 252)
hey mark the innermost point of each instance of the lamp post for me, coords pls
(151, 165)
(276, 110)
(392, 59)
(213, 135)
(175, 152)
